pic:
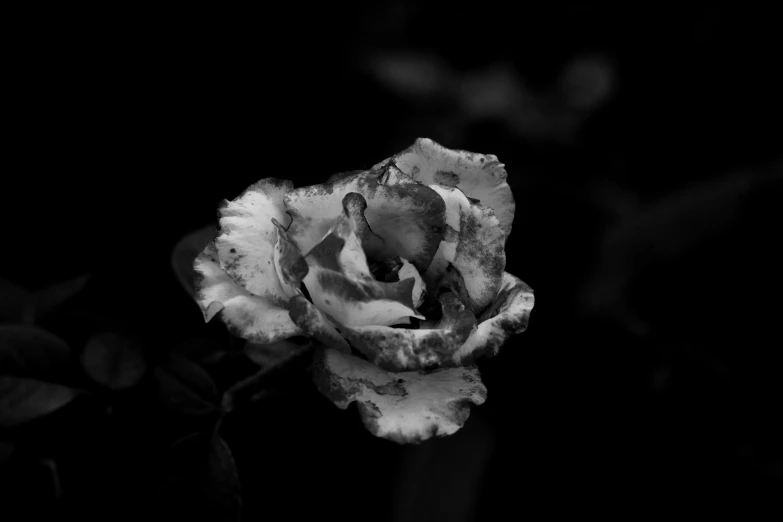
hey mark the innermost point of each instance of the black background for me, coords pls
(125, 129)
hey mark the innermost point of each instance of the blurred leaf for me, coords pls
(665, 231)
(222, 488)
(22, 400)
(413, 76)
(185, 387)
(50, 298)
(114, 361)
(30, 351)
(185, 252)
(17, 305)
(203, 483)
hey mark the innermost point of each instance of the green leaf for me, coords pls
(114, 361)
(23, 400)
(185, 387)
(17, 305)
(32, 352)
(54, 296)
(185, 252)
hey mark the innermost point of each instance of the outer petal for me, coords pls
(406, 407)
(508, 315)
(402, 349)
(247, 238)
(474, 246)
(479, 176)
(406, 215)
(340, 282)
(249, 316)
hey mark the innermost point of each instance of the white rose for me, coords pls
(404, 267)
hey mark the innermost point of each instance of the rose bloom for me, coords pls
(396, 273)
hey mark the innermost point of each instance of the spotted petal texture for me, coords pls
(403, 407)
(432, 345)
(248, 237)
(479, 176)
(252, 317)
(508, 315)
(397, 274)
(471, 257)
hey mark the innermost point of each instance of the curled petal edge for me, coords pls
(248, 245)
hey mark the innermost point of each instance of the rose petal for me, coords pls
(474, 246)
(249, 316)
(340, 282)
(479, 176)
(247, 239)
(419, 288)
(342, 175)
(408, 216)
(315, 324)
(402, 349)
(508, 315)
(406, 407)
(289, 262)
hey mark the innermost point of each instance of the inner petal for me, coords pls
(339, 279)
(405, 216)
(433, 344)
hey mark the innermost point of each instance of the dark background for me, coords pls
(643, 149)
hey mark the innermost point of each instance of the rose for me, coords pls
(397, 273)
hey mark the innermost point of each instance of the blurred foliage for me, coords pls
(122, 389)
